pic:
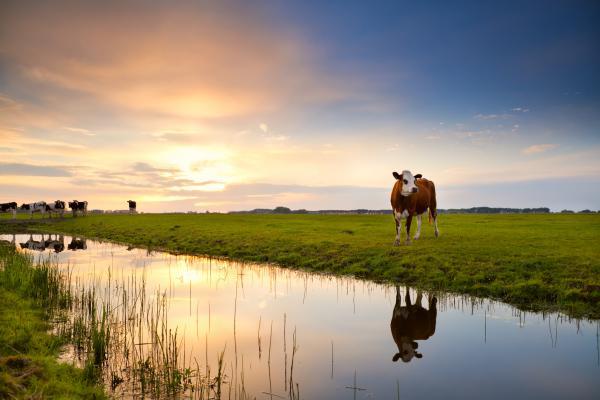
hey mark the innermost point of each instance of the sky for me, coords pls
(237, 105)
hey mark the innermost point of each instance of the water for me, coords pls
(346, 333)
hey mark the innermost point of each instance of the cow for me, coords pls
(57, 207)
(78, 206)
(57, 244)
(39, 206)
(77, 244)
(9, 207)
(37, 245)
(412, 195)
(410, 323)
(132, 206)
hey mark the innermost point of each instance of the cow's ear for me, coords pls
(396, 175)
(418, 176)
(396, 357)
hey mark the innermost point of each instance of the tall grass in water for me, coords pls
(118, 335)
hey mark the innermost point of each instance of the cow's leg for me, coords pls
(14, 213)
(398, 220)
(398, 305)
(434, 216)
(419, 300)
(418, 234)
(407, 297)
(408, 222)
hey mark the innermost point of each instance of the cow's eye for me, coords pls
(405, 182)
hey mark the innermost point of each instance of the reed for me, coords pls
(120, 336)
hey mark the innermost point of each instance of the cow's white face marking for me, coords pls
(408, 183)
(407, 352)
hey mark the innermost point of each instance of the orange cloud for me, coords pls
(195, 61)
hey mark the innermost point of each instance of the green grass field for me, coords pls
(28, 353)
(549, 262)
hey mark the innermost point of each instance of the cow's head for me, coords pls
(73, 204)
(408, 181)
(59, 204)
(25, 207)
(408, 350)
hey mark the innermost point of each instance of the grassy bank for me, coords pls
(28, 353)
(532, 261)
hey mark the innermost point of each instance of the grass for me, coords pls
(28, 353)
(127, 346)
(539, 262)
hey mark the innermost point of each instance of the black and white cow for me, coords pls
(77, 244)
(9, 207)
(78, 206)
(39, 206)
(132, 206)
(57, 207)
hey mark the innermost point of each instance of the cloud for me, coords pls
(538, 148)
(79, 130)
(487, 117)
(520, 109)
(32, 170)
(264, 127)
(186, 61)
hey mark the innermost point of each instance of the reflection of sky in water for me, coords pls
(480, 349)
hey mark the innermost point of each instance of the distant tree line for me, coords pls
(472, 210)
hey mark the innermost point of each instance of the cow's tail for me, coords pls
(432, 203)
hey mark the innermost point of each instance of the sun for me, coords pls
(206, 169)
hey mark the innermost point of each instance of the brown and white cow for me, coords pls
(410, 323)
(412, 195)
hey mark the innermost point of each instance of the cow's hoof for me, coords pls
(416, 237)
(396, 243)
(437, 234)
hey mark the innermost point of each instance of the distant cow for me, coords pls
(9, 207)
(77, 244)
(78, 206)
(39, 206)
(411, 322)
(412, 195)
(57, 207)
(132, 206)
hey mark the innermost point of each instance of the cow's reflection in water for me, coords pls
(412, 322)
(31, 244)
(57, 243)
(54, 242)
(77, 244)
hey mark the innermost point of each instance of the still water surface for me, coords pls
(355, 339)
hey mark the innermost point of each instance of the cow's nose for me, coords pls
(415, 190)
